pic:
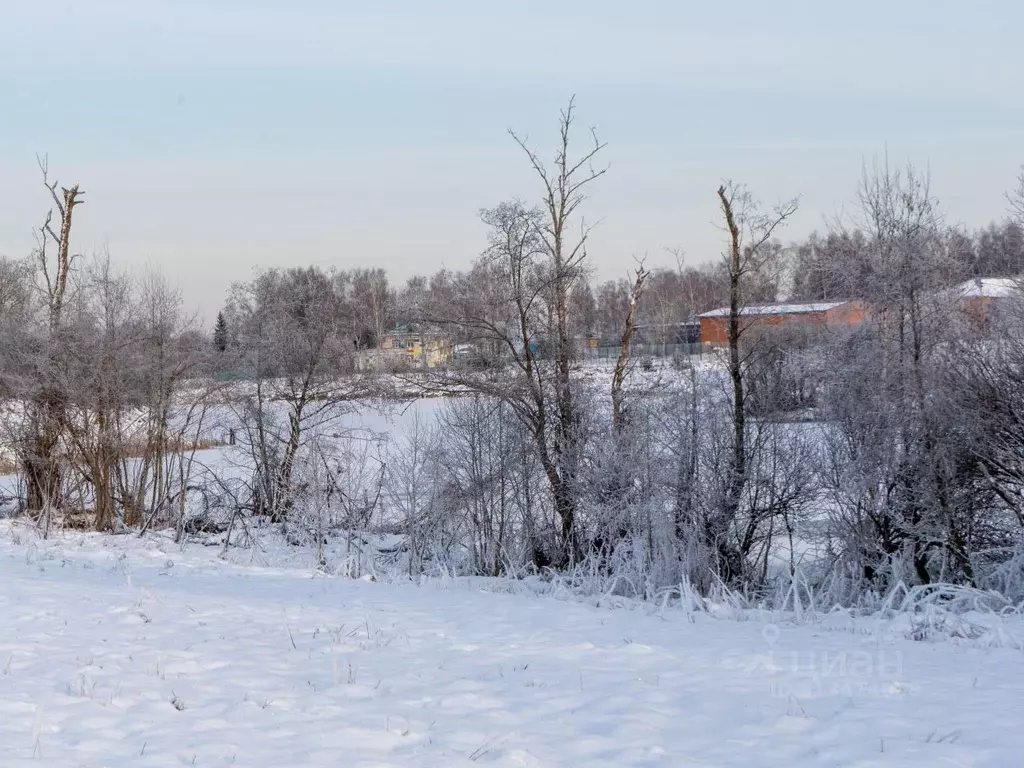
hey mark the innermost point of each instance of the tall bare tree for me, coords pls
(564, 186)
(517, 307)
(53, 258)
(749, 236)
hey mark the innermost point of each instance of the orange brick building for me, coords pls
(714, 325)
(980, 299)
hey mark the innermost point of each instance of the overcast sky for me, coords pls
(217, 137)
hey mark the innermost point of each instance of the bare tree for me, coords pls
(564, 188)
(415, 492)
(518, 308)
(622, 364)
(479, 446)
(1016, 198)
(100, 363)
(41, 443)
(174, 408)
(896, 460)
(293, 345)
(373, 300)
(750, 233)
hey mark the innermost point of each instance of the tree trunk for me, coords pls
(629, 328)
(738, 468)
(42, 465)
(283, 490)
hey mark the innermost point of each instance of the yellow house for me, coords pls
(430, 354)
(419, 352)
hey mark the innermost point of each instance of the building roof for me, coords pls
(778, 309)
(988, 288)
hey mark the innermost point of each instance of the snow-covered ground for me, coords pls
(121, 652)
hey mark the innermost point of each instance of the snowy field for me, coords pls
(121, 652)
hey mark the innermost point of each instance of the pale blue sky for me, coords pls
(214, 137)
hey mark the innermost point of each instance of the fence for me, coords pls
(611, 351)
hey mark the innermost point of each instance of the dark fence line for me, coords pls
(611, 351)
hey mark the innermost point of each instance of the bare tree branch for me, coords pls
(621, 365)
